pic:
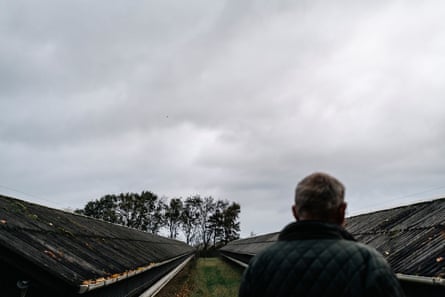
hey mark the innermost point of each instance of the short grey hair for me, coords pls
(318, 195)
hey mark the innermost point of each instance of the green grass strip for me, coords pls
(214, 277)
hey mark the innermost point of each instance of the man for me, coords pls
(315, 256)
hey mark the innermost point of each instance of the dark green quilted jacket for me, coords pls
(318, 259)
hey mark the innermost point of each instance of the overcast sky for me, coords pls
(234, 99)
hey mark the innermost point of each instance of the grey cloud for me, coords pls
(232, 99)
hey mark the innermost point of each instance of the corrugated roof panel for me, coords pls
(75, 248)
(251, 246)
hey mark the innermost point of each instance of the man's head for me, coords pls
(320, 196)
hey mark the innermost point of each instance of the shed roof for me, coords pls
(412, 237)
(252, 245)
(79, 250)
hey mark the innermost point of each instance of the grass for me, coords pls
(205, 277)
(214, 277)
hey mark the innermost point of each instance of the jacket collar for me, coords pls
(314, 230)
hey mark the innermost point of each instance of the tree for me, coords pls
(224, 222)
(203, 221)
(231, 225)
(155, 218)
(216, 221)
(103, 209)
(173, 214)
(190, 218)
(132, 211)
(204, 226)
(144, 212)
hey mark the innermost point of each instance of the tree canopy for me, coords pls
(200, 221)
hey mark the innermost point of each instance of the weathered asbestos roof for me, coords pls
(79, 250)
(252, 245)
(412, 238)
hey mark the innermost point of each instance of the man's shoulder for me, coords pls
(365, 250)
(274, 252)
(361, 250)
(326, 247)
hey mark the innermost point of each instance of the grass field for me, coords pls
(205, 277)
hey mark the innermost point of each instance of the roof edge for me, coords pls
(396, 207)
(89, 285)
(435, 281)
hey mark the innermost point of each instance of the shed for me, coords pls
(49, 252)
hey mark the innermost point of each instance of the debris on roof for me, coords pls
(412, 238)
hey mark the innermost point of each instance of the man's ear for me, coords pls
(342, 214)
(295, 212)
